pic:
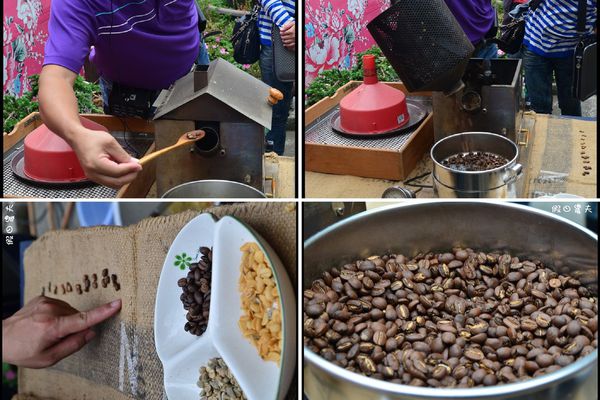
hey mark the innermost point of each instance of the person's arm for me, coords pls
(286, 23)
(47, 330)
(102, 158)
(72, 31)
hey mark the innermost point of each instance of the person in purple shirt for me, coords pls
(478, 19)
(137, 46)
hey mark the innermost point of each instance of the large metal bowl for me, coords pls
(213, 189)
(423, 226)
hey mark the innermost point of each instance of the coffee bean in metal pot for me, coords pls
(573, 328)
(474, 354)
(314, 310)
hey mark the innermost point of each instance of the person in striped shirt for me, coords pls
(548, 48)
(281, 13)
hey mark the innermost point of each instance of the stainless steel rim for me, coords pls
(523, 387)
(214, 181)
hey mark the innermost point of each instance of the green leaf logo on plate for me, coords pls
(182, 261)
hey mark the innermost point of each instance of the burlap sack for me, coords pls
(121, 362)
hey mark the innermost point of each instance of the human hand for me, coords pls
(47, 330)
(103, 159)
(288, 35)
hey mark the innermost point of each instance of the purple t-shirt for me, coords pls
(476, 17)
(147, 44)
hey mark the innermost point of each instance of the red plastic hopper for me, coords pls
(48, 158)
(373, 108)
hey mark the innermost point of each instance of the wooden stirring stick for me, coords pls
(186, 138)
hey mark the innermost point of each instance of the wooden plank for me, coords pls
(140, 186)
(21, 129)
(369, 164)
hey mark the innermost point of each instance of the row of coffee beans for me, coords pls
(87, 284)
(196, 293)
(217, 382)
(458, 319)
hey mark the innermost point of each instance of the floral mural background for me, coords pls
(25, 30)
(335, 30)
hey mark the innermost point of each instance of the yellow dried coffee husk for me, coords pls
(260, 322)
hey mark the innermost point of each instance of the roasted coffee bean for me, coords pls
(448, 338)
(402, 311)
(379, 302)
(391, 344)
(544, 360)
(314, 310)
(543, 320)
(479, 327)
(379, 338)
(474, 354)
(573, 328)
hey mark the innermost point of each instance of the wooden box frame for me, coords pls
(138, 188)
(366, 162)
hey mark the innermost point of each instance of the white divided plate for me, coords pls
(259, 379)
(181, 353)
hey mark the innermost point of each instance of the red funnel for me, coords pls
(373, 107)
(48, 158)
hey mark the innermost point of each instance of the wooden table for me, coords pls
(555, 152)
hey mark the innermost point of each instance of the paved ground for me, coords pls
(588, 107)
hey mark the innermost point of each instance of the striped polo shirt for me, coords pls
(550, 30)
(278, 11)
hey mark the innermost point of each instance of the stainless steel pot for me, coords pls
(419, 226)
(213, 189)
(494, 183)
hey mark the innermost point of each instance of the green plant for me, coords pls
(17, 108)
(327, 82)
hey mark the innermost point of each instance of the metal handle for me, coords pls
(513, 173)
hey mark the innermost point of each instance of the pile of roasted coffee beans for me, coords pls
(474, 161)
(196, 293)
(85, 286)
(217, 382)
(458, 319)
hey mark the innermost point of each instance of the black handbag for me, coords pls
(513, 32)
(284, 60)
(584, 60)
(246, 38)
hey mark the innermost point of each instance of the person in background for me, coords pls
(138, 48)
(478, 19)
(47, 330)
(280, 12)
(548, 49)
